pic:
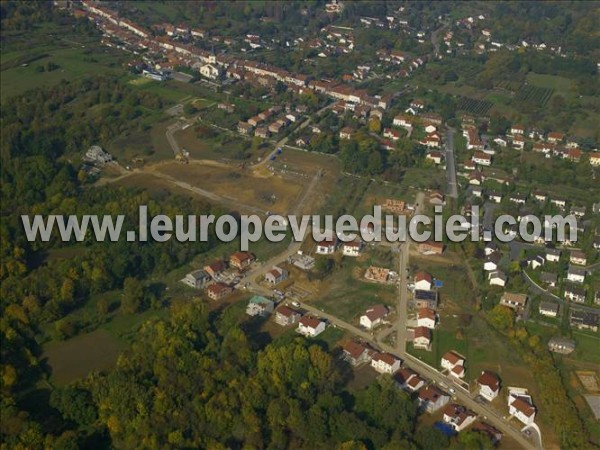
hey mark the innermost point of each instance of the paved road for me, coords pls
(403, 284)
(452, 190)
(462, 395)
(283, 141)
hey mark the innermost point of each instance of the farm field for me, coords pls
(473, 106)
(535, 95)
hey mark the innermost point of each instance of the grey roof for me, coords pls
(548, 277)
(549, 306)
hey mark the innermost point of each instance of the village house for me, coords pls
(356, 354)
(218, 291)
(517, 129)
(276, 275)
(583, 320)
(514, 301)
(552, 255)
(352, 248)
(262, 132)
(196, 279)
(521, 406)
(575, 293)
(555, 137)
(482, 158)
(496, 197)
(346, 133)
(423, 281)
(431, 399)
(408, 380)
(561, 345)
(535, 261)
(430, 248)
(576, 274)
(497, 278)
(491, 262)
(259, 306)
(284, 316)
(549, 278)
(326, 246)
(578, 257)
(245, 128)
(594, 158)
(215, 268)
(425, 299)
(403, 120)
(548, 308)
(458, 417)
(310, 326)
(436, 198)
(518, 142)
(422, 338)
(210, 71)
(373, 316)
(489, 385)
(389, 133)
(426, 318)
(454, 363)
(385, 363)
(578, 211)
(241, 260)
(470, 165)
(436, 157)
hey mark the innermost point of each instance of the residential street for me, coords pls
(452, 190)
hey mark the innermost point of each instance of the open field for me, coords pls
(347, 295)
(272, 194)
(76, 357)
(150, 145)
(25, 54)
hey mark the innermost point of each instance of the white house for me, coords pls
(352, 248)
(549, 309)
(576, 274)
(458, 417)
(491, 262)
(385, 363)
(210, 71)
(310, 326)
(326, 247)
(422, 338)
(497, 278)
(489, 385)
(423, 281)
(373, 317)
(431, 399)
(426, 317)
(552, 255)
(451, 359)
(521, 406)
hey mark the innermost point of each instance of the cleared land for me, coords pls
(78, 356)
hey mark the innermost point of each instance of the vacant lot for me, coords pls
(347, 295)
(271, 194)
(78, 356)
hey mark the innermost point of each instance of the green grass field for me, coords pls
(76, 56)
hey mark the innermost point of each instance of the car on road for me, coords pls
(296, 304)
